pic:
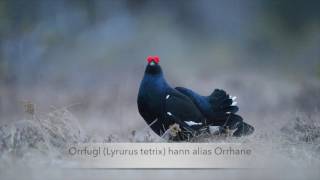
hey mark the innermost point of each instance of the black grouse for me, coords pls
(180, 113)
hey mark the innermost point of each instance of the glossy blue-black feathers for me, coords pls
(219, 109)
(164, 107)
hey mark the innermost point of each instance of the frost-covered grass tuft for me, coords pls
(47, 136)
(304, 130)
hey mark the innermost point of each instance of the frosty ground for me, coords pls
(287, 141)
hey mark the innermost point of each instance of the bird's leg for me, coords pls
(225, 130)
(174, 129)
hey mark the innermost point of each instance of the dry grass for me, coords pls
(40, 142)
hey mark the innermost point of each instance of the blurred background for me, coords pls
(90, 55)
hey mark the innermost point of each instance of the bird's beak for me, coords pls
(152, 63)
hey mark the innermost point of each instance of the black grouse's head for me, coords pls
(153, 66)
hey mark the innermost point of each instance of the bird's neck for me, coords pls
(153, 70)
(154, 80)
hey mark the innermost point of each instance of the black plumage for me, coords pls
(220, 109)
(181, 113)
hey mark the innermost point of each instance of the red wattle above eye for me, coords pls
(155, 59)
(150, 59)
